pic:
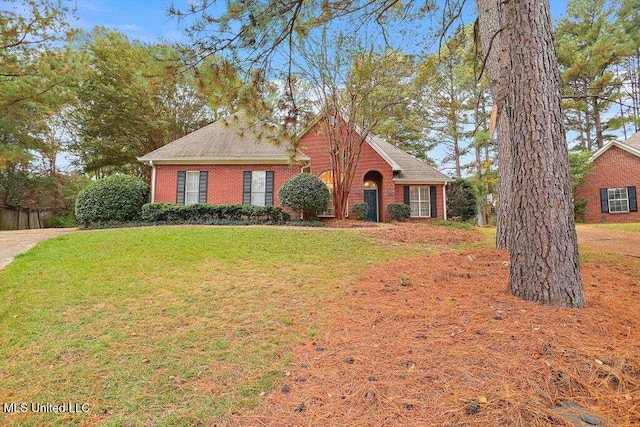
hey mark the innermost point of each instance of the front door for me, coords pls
(371, 199)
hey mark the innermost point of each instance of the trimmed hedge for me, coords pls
(204, 213)
(359, 211)
(305, 192)
(117, 198)
(398, 211)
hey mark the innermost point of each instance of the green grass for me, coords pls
(632, 226)
(167, 325)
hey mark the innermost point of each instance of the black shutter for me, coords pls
(268, 191)
(433, 201)
(246, 188)
(407, 199)
(202, 187)
(604, 200)
(182, 179)
(633, 199)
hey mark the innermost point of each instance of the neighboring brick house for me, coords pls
(611, 188)
(225, 163)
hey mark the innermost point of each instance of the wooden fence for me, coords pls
(21, 219)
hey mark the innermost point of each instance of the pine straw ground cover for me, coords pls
(437, 340)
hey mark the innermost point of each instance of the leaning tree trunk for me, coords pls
(543, 244)
(491, 35)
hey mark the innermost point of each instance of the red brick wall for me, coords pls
(613, 168)
(314, 145)
(224, 184)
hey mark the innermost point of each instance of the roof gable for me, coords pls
(631, 145)
(406, 167)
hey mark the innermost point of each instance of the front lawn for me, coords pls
(394, 324)
(167, 325)
(629, 226)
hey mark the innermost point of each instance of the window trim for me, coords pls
(258, 179)
(201, 187)
(611, 198)
(421, 202)
(248, 187)
(194, 193)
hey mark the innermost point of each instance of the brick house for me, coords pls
(226, 163)
(611, 188)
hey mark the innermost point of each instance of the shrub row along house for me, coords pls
(611, 187)
(226, 162)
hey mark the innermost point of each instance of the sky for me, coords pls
(148, 22)
(145, 20)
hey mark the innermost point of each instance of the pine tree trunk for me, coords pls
(598, 122)
(490, 29)
(543, 244)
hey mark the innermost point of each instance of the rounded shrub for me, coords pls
(305, 192)
(461, 200)
(116, 198)
(398, 211)
(359, 211)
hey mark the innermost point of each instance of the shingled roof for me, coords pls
(234, 139)
(406, 167)
(237, 139)
(634, 140)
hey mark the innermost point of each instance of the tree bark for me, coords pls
(490, 31)
(598, 121)
(543, 243)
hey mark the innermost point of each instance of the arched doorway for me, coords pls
(372, 185)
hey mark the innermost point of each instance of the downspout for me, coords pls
(153, 181)
(444, 200)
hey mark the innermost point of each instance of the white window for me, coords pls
(419, 201)
(618, 200)
(258, 188)
(192, 187)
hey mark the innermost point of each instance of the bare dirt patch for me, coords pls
(438, 340)
(425, 233)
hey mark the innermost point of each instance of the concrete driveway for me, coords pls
(14, 242)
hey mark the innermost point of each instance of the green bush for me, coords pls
(461, 200)
(398, 211)
(359, 211)
(305, 192)
(61, 219)
(203, 213)
(115, 198)
(579, 209)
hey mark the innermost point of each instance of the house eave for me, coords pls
(218, 161)
(422, 181)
